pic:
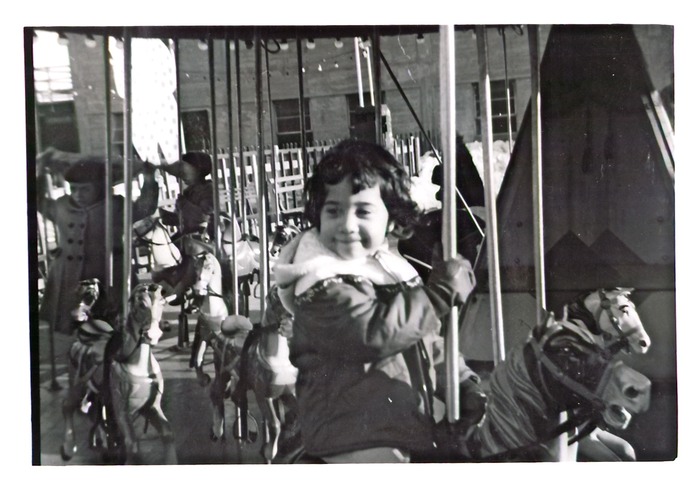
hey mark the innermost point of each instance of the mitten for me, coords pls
(450, 281)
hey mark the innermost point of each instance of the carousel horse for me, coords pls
(245, 260)
(227, 346)
(611, 317)
(169, 267)
(211, 306)
(135, 377)
(283, 234)
(265, 369)
(86, 361)
(561, 367)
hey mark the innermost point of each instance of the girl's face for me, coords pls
(353, 225)
(84, 194)
(190, 175)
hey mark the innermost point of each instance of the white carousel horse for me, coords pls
(135, 377)
(562, 366)
(211, 306)
(612, 317)
(150, 231)
(265, 369)
(86, 359)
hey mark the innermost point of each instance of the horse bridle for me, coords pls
(605, 305)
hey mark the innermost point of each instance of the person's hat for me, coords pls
(199, 160)
(86, 171)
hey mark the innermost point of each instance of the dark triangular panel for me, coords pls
(603, 171)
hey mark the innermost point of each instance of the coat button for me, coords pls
(70, 241)
(70, 225)
(69, 258)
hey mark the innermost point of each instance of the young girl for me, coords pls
(363, 319)
(80, 221)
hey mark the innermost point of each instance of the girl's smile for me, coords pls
(353, 225)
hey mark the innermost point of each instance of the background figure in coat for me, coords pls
(428, 232)
(194, 206)
(80, 221)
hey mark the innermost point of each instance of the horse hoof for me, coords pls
(204, 379)
(67, 455)
(216, 438)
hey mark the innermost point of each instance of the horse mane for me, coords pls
(577, 311)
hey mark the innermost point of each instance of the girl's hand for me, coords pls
(453, 279)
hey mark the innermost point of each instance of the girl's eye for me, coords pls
(363, 213)
(331, 211)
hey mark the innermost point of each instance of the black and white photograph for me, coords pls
(280, 243)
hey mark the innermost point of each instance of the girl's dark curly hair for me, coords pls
(368, 165)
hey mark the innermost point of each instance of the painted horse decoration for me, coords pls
(562, 367)
(265, 369)
(135, 378)
(87, 377)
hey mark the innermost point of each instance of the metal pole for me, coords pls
(108, 204)
(243, 204)
(127, 163)
(261, 177)
(376, 48)
(302, 122)
(449, 235)
(233, 178)
(505, 69)
(358, 68)
(214, 151)
(490, 196)
(273, 146)
(537, 205)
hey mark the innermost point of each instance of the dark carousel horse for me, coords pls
(87, 359)
(561, 367)
(265, 369)
(227, 346)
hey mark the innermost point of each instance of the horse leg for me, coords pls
(272, 425)
(203, 378)
(69, 406)
(120, 394)
(603, 446)
(164, 428)
(217, 394)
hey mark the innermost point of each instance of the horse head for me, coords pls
(145, 313)
(151, 232)
(612, 317)
(576, 373)
(284, 233)
(88, 293)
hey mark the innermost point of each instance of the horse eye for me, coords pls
(631, 392)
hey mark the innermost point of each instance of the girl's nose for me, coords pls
(349, 222)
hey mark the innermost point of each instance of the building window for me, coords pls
(57, 126)
(363, 119)
(287, 122)
(196, 129)
(499, 109)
